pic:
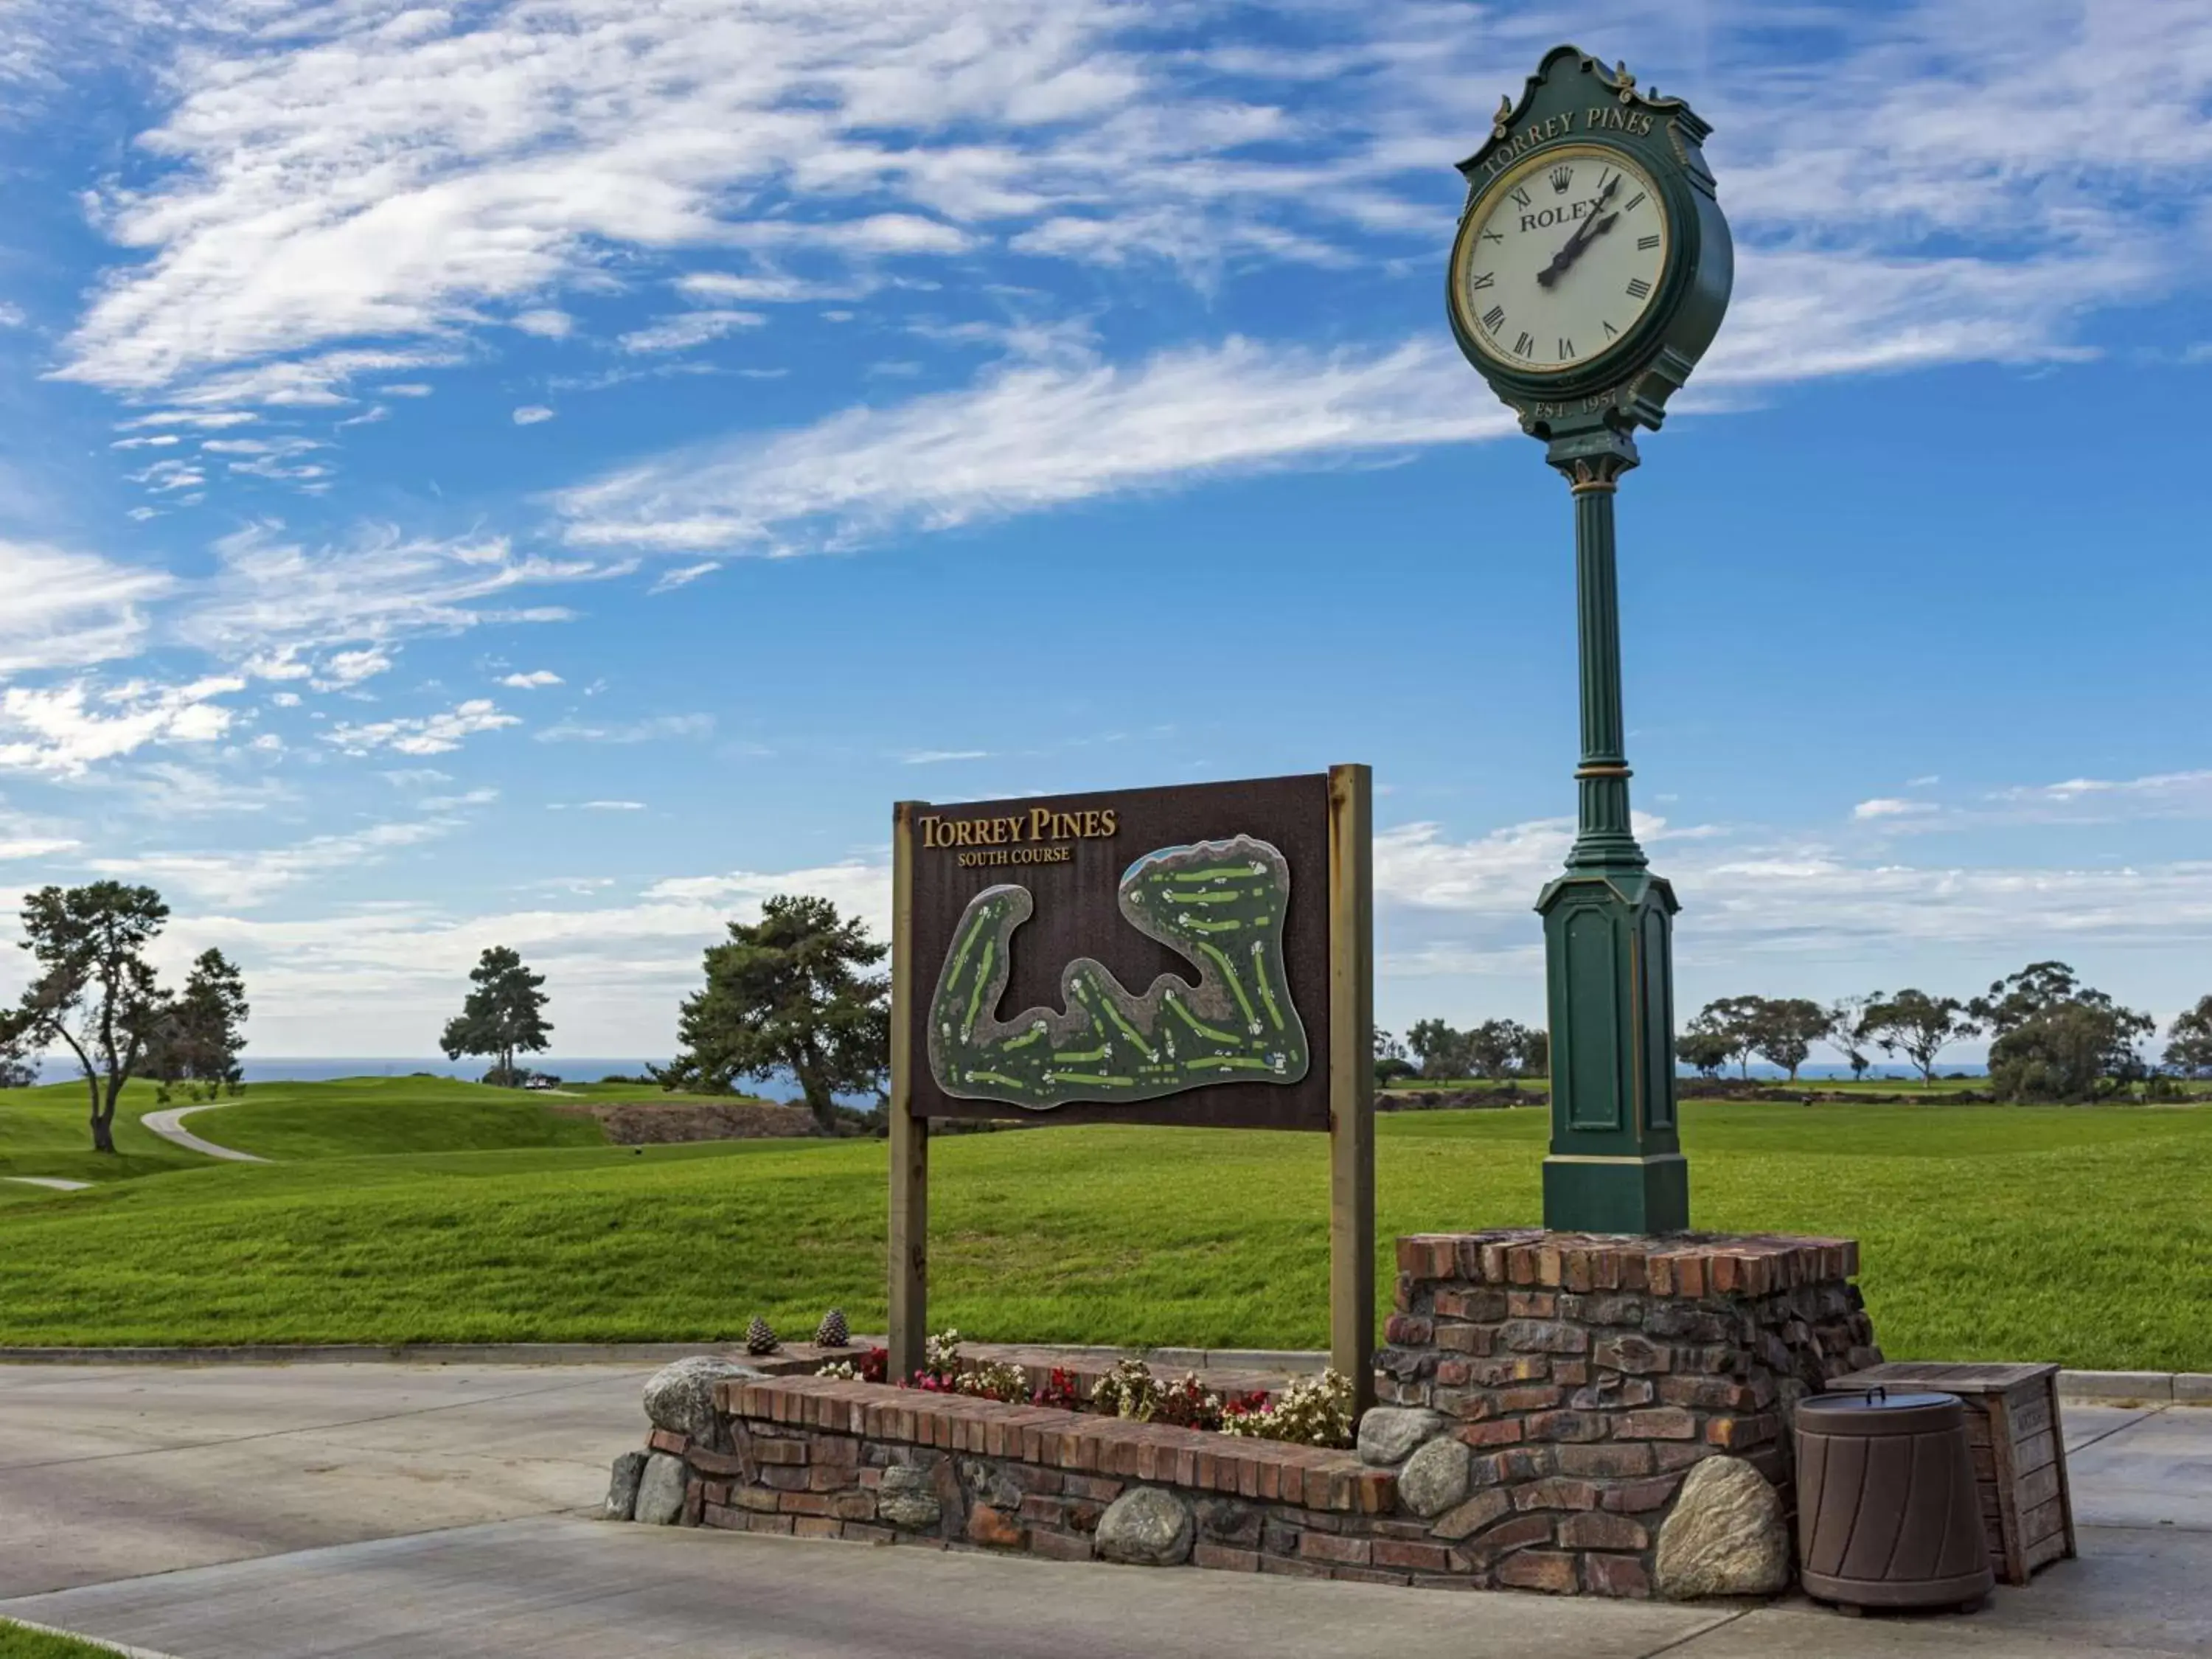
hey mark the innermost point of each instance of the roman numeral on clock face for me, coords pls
(1519, 196)
(1492, 236)
(1481, 280)
(1633, 202)
(1492, 318)
(1638, 287)
(1520, 346)
(1647, 243)
(1566, 348)
(1610, 331)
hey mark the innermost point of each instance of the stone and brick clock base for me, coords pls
(1589, 1371)
(1584, 1376)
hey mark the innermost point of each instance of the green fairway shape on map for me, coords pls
(1220, 904)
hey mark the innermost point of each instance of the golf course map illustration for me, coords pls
(1220, 904)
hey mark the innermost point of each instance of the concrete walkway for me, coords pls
(54, 1182)
(170, 1125)
(391, 1511)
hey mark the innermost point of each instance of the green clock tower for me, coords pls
(1590, 272)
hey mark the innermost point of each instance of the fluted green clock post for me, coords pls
(1590, 272)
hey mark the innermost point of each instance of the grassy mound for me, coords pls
(355, 1117)
(1988, 1233)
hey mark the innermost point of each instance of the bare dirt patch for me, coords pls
(659, 1122)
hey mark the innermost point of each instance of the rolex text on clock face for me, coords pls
(1561, 258)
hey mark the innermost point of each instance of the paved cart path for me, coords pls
(384, 1510)
(170, 1125)
(54, 1182)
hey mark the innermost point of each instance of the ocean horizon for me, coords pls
(587, 1068)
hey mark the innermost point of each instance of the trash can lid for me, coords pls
(1879, 1411)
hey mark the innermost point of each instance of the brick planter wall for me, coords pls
(1585, 1374)
(808, 1455)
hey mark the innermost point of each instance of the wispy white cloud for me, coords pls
(69, 610)
(533, 415)
(430, 734)
(1033, 435)
(687, 329)
(649, 730)
(939, 757)
(1889, 807)
(345, 668)
(272, 595)
(536, 680)
(683, 575)
(248, 879)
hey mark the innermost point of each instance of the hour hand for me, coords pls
(1589, 227)
(1573, 251)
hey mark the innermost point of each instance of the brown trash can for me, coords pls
(1887, 1512)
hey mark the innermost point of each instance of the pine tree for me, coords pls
(503, 1015)
(206, 1032)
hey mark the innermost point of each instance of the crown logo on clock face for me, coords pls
(1562, 178)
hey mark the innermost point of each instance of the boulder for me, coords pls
(907, 1498)
(622, 1487)
(1389, 1434)
(660, 1491)
(1726, 1536)
(1146, 1526)
(1434, 1478)
(680, 1397)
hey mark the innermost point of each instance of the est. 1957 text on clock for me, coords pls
(1590, 272)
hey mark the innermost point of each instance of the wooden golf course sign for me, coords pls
(1200, 955)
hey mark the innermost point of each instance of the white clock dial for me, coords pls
(1560, 258)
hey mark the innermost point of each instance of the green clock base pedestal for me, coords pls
(1618, 1194)
(1616, 1164)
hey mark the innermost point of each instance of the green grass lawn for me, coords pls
(17, 1643)
(2080, 1236)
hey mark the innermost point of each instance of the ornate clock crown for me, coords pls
(1563, 178)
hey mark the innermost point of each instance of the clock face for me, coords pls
(1560, 259)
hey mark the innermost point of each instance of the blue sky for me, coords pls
(553, 473)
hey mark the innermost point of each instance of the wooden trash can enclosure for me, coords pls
(2014, 1435)
(1887, 1514)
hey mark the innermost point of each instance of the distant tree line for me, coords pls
(1494, 1049)
(2052, 1038)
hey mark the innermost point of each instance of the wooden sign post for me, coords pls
(1200, 955)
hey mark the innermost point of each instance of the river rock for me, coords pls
(907, 1498)
(660, 1491)
(1389, 1434)
(1434, 1478)
(1726, 1536)
(680, 1397)
(622, 1487)
(1145, 1528)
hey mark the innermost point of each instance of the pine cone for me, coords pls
(832, 1332)
(759, 1339)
